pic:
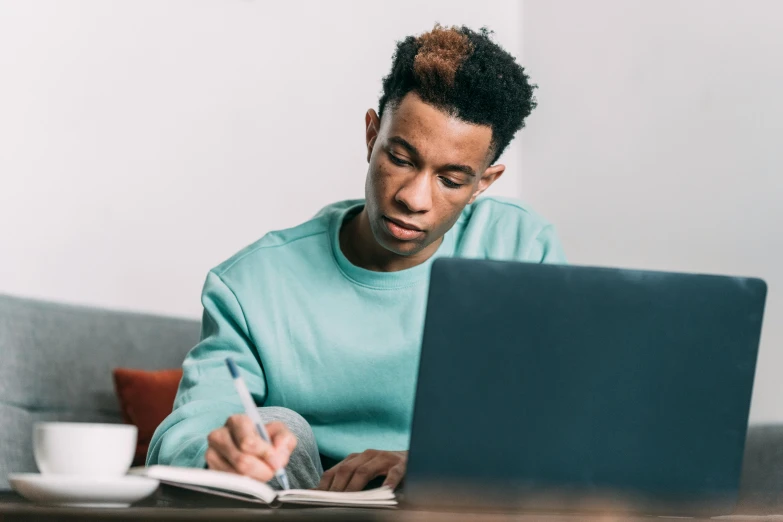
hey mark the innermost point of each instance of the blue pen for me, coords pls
(252, 412)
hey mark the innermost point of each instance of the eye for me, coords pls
(449, 184)
(397, 161)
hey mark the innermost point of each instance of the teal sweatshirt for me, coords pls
(332, 341)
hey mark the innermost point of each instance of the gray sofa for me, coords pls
(56, 362)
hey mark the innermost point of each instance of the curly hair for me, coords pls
(465, 74)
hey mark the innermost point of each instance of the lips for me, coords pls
(402, 230)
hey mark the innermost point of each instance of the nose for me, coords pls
(416, 193)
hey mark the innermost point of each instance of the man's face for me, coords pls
(425, 166)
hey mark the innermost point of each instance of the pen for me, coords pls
(252, 412)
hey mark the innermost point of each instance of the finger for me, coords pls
(253, 467)
(326, 480)
(366, 472)
(394, 477)
(246, 437)
(343, 472)
(216, 461)
(328, 476)
(221, 442)
(341, 475)
(283, 442)
(241, 463)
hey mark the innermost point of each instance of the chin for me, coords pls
(402, 248)
(394, 245)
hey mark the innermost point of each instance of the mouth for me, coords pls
(402, 230)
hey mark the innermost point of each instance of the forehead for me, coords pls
(438, 137)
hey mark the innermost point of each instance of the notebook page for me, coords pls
(339, 503)
(207, 478)
(221, 493)
(382, 496)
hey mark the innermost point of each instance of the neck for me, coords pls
(360, 247)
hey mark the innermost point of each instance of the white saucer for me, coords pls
(69, 490)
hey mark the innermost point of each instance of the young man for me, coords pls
(325, 319)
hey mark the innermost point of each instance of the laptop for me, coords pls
(556, 387)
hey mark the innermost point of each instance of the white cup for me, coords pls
(83, 449)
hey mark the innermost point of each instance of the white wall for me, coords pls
(142, 142)
(658, 142)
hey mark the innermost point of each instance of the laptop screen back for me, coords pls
(547, 386)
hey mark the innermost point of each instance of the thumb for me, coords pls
(279, 456)
(281, 436)
(283, 443)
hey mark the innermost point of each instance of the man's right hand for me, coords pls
(238, 448)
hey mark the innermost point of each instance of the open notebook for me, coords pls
(250, 490)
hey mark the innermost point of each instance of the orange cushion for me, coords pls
(146, 398)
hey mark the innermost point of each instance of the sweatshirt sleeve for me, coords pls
(546, 248)
(206, 396)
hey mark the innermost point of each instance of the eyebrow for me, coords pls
(451, 166)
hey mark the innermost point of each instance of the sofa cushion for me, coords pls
(146, 398)
(57, 363)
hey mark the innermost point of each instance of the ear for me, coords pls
(489, 176)
(372, 125)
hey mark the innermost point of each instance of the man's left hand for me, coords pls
(358, 469)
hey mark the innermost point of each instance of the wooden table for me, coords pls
(160, 506)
